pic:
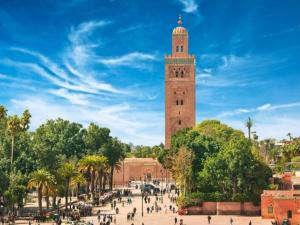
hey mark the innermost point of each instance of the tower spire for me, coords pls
(179, 20)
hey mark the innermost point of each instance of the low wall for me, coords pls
(250, 209)
(225, 208)
(209, 208)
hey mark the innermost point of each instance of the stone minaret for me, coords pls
(179, 85)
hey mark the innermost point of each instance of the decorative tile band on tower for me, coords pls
(180, 97)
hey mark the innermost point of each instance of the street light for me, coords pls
(161, 190)
(142, 202)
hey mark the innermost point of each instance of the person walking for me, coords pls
(231, 221)
(181, 222)
(175, 220)
(250, 223)
(208, 219)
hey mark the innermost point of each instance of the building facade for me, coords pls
(140, 169)
(179, 85)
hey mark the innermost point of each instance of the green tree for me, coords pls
(92, 164)
(290, 136)
(114, 152)
(41, 179)
(201, 145)
(249, 125)
(95, 137)
(14, 126)
(182, 169)
(3, 123)
(235, 172)
(67, 172)
(58, 140)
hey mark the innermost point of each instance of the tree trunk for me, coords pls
(54, 201)
(93, 184)
(100, 181)
(40, 200)
(12, 152)
(104, 182)
(47, 200)
(111, 178)
(66, 195)
(249, 133)
(78, 188)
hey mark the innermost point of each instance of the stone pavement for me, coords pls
(162, 218)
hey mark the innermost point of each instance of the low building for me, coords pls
(140, 169)
(281, 205)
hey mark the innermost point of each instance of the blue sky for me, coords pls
(103, 61)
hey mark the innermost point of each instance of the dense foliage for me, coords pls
(54, 159)
(225, 164)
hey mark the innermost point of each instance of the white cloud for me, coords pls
(133, 59)
(237, 71)
(125, 122)
(76, 91)
(61, 77)
(265, 107)
(270, 125)
(78, 99)
(3, 76)
(202, 75)
(79, 34)
(190, 6)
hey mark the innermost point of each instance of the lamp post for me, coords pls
(142, 203)
(161, 190)
(123, 174)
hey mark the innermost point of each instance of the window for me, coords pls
(270, 209)
(181, 102)
(177, 48)
(177, 102)
(181, 74)
(179, 122)
(181, 48)
(177, 73)
(289, 214)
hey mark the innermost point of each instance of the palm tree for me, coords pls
(102, 165)
(114, 152)
(41, 180)
(67, 171)
(14, 127)
(290, 136)
(77, 181)
(92, 164)
(3, 118)
(249, 125)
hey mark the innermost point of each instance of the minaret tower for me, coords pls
(179, 85)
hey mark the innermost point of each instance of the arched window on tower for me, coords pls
(177, 73)
(179, 122)
(181, 48)
(181, 102)
(177, 102)
(181, 74)
(177, 48)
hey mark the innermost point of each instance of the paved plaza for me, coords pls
(162, 217)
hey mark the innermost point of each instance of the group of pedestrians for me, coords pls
(106, 220)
